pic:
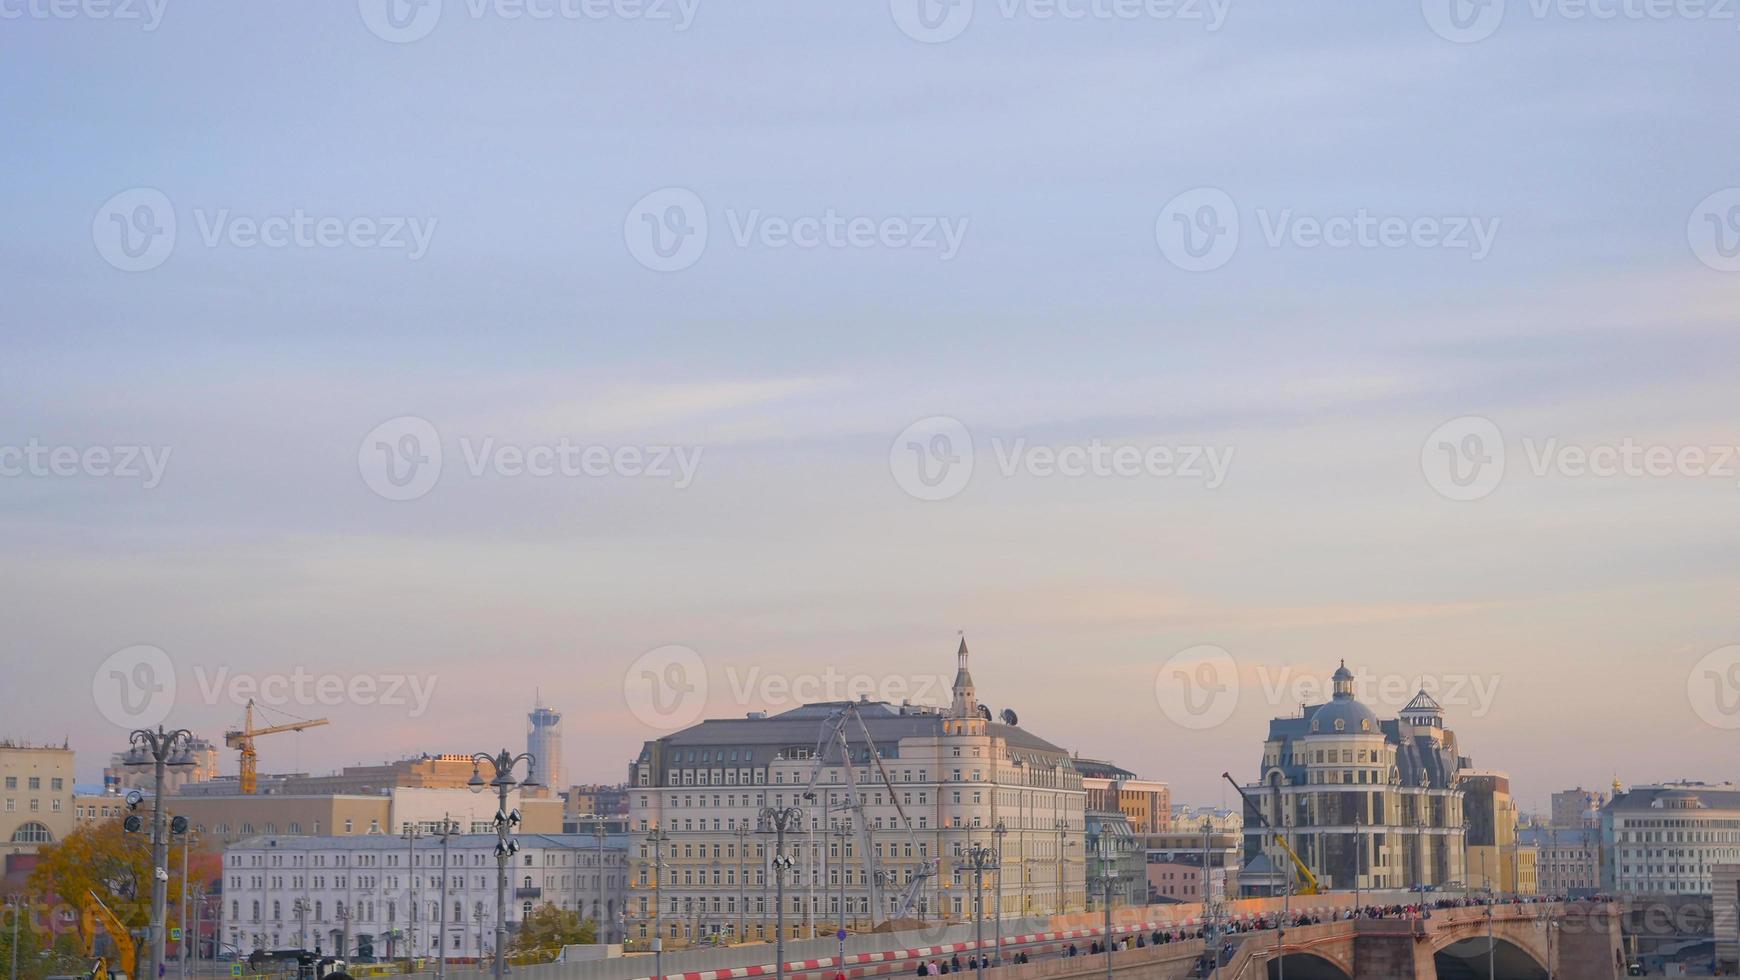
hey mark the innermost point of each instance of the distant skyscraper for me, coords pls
(544, 742)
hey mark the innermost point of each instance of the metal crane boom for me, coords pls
(835, 735)
(243, 739)
(1311, 885)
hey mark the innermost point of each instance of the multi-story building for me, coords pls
(36, 796)
(595, 799)
(1145, 803)
(938, 781)
(544, 742)
(1725, 920)
(381, 895)
(1569, 861)
(1577, 808)
(1667, 838)
(1116, 866)
(233, 818)
(1220, 819)
(1361, 799)
(1175, 862)
(1498, 859)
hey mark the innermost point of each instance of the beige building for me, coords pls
(1145, 803)
(1365, 802)
(1498, 859)
(36, 796)
(233, 818)
(952, 777)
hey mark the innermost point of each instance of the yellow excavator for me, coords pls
(92, 912)
(1308, 884)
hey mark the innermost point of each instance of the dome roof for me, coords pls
(1344, 713)
(1351, 715)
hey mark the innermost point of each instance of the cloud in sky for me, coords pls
(1055, 145)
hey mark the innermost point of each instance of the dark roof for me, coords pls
(1646, 797)
(1100, 769)
(758, 739)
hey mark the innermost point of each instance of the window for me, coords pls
(32, 833)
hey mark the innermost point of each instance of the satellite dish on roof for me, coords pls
(1009, 718)
(985, 712)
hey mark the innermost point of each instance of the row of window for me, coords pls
(35, 782)
(55, 805)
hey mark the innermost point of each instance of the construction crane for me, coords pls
(243, 738)
(1309, 884)
(835, 736)
(92, 912)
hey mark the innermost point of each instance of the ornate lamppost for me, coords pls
(502, 780)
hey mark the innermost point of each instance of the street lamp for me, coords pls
(780, 821)
(16, 903)
(501, 767)
(445, 831)
(1108, 880)
(1001, 832)
(410, 834)
(657, 839)
(300, 907)
(981, 859)
(162, 748)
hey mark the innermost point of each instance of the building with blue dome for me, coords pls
(1364, 801)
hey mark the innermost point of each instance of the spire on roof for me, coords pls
(966, 702)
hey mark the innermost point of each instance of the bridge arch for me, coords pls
(1466, 959)
(1307, 966)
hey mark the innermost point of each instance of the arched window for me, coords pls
(32, 833)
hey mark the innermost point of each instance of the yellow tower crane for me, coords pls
(243, 738)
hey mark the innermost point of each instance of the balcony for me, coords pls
(528, 892)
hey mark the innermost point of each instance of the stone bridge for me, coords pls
(1527, 942)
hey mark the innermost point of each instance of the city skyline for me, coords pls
(1260, 689)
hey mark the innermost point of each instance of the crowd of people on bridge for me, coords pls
(1264, 923)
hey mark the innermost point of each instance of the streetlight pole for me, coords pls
(410, 833)
(163, 748)
(186, 845)
(742, 881)
(17, 903)
(780, 821)
(448, 828)
(841, 832)
(598, 879)
(657, 839)
(1001, 832)
(981, 859)
(502, 780)
(1358, 858)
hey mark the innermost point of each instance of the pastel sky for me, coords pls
(531, 152)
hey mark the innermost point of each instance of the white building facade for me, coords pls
(382, 894)
(952, 777)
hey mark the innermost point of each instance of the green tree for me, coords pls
(543, 934)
